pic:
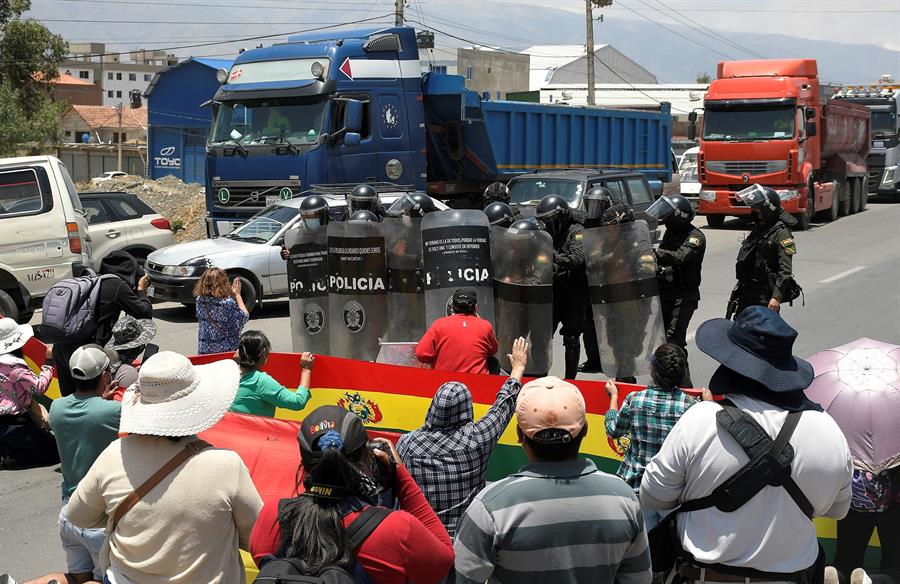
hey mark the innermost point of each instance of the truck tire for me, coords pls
(863, 194)
(8, 307)
(804, 219)
(832, 213)
(854, 199)
(715, 221)
(846, 198)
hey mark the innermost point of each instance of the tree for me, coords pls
(30, 56)
(703, 78)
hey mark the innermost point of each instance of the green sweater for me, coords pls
(259, 394)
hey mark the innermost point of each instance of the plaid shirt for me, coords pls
(649, 415)
(448, 455)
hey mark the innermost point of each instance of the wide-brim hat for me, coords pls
(130, 332)
(758, 345)
(174, 397)
(13, 335)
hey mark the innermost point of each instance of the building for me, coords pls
(438, 60)
(494, 73)
(684, 97)
(90, 62)
(178, 125)
(76, 91)
(567, 64)
(98, 124)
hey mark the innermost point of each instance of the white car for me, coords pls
(109, 174)
(687, 171)
(121, 221)
(251, 253)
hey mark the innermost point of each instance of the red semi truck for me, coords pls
(770, 122)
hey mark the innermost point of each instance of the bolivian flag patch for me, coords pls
(579, 236)
(788, 245)
(693, 241)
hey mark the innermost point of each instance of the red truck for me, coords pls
(770, 122)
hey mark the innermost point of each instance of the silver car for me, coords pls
(251, 253)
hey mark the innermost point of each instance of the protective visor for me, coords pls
(662, 209)
(402, 206)
(754, 196)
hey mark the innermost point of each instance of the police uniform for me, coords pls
(570, 292)
(764, 265)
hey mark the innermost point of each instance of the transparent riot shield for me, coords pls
(456, 253)
(307, 273)
(406, 294)
(523, 295)
(357, 289)
(621, 271)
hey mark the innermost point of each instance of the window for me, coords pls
(337, 117)
(84, 74)
(118, 76)
(146, 77)
(442, 69)
(132, 76)
(468, 72)
(109, 75)
(123, 208)
(96, 211)
(617, 189)
(639, 191)
(109, 93)
(70, 186)
(24, 191)
(118, 94)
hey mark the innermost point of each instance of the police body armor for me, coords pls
(456, 253)
(406, 293)
(307, 274)
(523, 294)
(624, 295)
(357, 289)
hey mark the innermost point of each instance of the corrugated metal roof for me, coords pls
(211, 63)
(102, 116)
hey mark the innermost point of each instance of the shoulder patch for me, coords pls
(789, 246)
(579, 236)
(694, 241)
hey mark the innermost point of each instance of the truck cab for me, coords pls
(883, 101)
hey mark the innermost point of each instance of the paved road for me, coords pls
(850, 272)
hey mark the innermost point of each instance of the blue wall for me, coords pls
(178, 126)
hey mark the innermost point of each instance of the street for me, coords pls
(848, 270)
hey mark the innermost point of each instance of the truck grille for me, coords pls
(748, 167)
(875, 162)
(249, 195)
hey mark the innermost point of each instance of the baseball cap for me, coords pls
(549, 403)
(325, 418)
(465, 296)
(89, 361)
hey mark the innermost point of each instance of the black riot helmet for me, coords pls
(314, 211)
(596, 201)
(364, 215)
(763, 199)
(415, 205)
(496, 192)
(499, 214)
(529, 224)
(673, 211)
(362, 198)
(554, 212)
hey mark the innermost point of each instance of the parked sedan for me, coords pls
(121, 221)
(251, 253)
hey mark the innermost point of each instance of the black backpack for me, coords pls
(288, 570)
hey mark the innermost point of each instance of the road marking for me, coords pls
(843, 274)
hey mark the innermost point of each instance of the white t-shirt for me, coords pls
(769, 533)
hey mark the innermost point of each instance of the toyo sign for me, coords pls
(168, 158)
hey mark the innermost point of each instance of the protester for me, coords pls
(188, 526)
(408, 545)
(462, 342)
(770, 535)
(258, 393)
(84, 424)
(126, 293)
(24, 433)
(130, 339)
(558, 519)
(648, 416)
(221, 312)
(448, 455)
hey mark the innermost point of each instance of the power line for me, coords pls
(204, 5)
(700, 28)
(676, 33)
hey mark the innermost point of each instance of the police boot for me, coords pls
(573, 354)
(592, 351)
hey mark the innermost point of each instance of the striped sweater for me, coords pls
(562, 522)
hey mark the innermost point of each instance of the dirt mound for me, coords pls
(177, 201)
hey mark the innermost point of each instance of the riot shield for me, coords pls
(523, 294)
(621, 271)
(357, 289)
(406, 294)
(456, 253)
(307, 273)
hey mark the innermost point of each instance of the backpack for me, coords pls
(70, 309)
(288, 570)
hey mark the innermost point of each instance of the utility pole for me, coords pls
(398, 12)
(119, 109)
(589, 8)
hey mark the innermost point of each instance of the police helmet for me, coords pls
(499, 214)
(496, 192)
(758, 196)
(672, 211)
(364, 215)
(422, 204)
(529, 224)
(362, 197)
(314, 210)
(596, 201)
(553, 211)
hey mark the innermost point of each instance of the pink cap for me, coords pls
(550, 402)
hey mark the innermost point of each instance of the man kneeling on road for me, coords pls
(462, 342)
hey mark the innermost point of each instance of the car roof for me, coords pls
(340, 201)
(106, 194)
(692, 150)
(25, 160)
(580, 174)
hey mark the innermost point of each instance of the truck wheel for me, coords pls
(715, 221)
(854, 198)
(846, 196)
(863, 194)
(8, 307)
(803, 219)
(832, 214)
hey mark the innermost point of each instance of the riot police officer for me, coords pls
(764, 267)
(569, 278)
(364, 215)
(499, 215)
(679, 259)
(597, 201)
(496, 192)
(363, 198)
(313, 215)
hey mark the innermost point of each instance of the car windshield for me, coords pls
(265, 225)
(732, 125)
(532, 190)
(884, 122)
(269, 121)
(687, 160)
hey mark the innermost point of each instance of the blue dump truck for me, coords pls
(353, 106)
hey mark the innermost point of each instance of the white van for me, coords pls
(43, 232)
(687, 171)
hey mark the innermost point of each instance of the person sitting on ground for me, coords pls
(408, 545)
(258, 393)
(648, 416)
(84, 424)
(448, 455)
(130, 338)
(770, 535)
(187, 527)
(462, 342)
(221, 312)
(558, 519)
(24, 432)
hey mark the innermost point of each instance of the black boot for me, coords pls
(573, 354)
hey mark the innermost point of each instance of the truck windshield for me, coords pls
(884, 122)
(265, 225)
(732, 124)
(269, 121)
(532, 190)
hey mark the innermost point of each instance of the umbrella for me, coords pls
(858, 384)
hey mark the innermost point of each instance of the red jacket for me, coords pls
(410, 545)
(460, 343)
